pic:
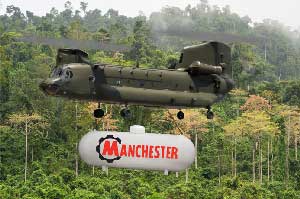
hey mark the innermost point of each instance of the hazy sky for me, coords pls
(287, 12)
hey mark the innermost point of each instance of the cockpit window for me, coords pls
(56, 72)
(67, 73)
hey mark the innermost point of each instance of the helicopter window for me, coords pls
(56, 72)
(67, 74)
(181, 58)
(221, 57)
(59, 72)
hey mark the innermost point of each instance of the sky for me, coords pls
(287, 12)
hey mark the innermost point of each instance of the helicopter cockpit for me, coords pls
(63, 73)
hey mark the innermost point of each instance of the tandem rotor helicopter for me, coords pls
(201, 78)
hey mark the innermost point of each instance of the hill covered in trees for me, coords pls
(250, 150)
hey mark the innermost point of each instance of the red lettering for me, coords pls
(151, 151)
(131, 150)
(123, 150)
(162, 151)
(169, 152)
(174, 153)
(145, 151)
(110, 149)
(137, 151)
(157, 151)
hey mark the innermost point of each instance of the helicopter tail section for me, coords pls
(208, 58)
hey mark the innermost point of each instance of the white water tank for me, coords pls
(137, 150)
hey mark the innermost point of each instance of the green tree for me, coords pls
(33, 122)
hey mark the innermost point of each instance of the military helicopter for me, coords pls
(201, 78)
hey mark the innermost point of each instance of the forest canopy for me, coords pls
(250, 149)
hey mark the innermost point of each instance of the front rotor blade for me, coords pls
(78, 44)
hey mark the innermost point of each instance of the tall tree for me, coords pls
(83, 6)
(291, 117)
(29, 122)
(234, 132)
(254, 124)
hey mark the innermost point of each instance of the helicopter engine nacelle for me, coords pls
(197, 68)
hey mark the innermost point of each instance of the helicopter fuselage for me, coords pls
(171, 88)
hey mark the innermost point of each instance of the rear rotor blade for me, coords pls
(209, 36)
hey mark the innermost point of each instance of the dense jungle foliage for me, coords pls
(250, 149)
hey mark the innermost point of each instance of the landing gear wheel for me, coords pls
(98, 113)
(180, 115)
(125, 113)
(210, 115)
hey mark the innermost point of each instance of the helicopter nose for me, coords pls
(49, 87)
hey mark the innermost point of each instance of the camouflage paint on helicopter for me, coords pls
(200, 78)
